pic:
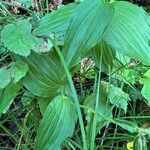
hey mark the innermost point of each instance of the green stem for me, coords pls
(96, 107)
(74, 94)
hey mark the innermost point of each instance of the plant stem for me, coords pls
(74, 94)
(96, 106)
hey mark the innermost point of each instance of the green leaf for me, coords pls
(57, 124)
(117, 97)
(43, 103)
(104, 51)
(56, 22)
(8, 94)
(4, 77)
(146, 88)
(104, 111)
(129, 31)
(14, 72)
(127, 125)
(45, 75)
(27, 98)
(86, 29)
(17, 38)
(18, 70)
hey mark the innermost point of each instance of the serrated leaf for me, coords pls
(117, 97)
(86, 29)
(17, 37)
(18, 70)
(56, 22)
(57, 124)
(13, 72)
(4, 77)
(129, 31)
(7, 95)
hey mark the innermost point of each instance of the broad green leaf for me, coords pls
(45, 75)
(86, 28)
(4, 77)
(56, 22)
(104, 51)
(57, 124)
(117, 97)
(18, 70)
(13, 72)
(8, 94)
(129, 31)
(17, 38)
(127, 125)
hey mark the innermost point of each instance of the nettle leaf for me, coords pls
(17, 38)
(8, 94)
(57, 124)
(4, 77)
(86, 29)
(45, 75)
(129, 31)
(104, 51)
(14, 72)
(117, 97)
(18, 70)
(56, 22)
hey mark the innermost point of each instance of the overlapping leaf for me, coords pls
(103, 51)
(129, 31)
(117, 97)
(104, 111)
(45, 74)
(86, 28)
(17, 38)
(56, 22)
(57, 124)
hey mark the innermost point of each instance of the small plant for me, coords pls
(44, 54)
